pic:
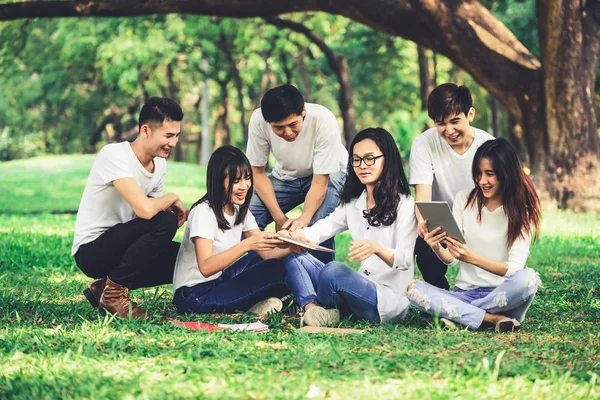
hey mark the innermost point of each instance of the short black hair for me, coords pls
(280, 102)
(159, 109)
(448, 99)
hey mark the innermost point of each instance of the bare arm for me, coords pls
(145, 207)
(264, 189)
(422, 193)
(463, 253)
(210, 263)
(277, 252)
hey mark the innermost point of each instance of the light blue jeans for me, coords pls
(511, 298)
(291, 194)
(332, 285)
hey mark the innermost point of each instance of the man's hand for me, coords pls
(179, 209)
(280, 221)
(293, 224)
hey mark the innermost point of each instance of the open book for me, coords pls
(253, 327)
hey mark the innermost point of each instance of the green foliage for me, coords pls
(71, 85)
(54, 345)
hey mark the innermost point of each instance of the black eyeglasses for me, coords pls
(368, 160)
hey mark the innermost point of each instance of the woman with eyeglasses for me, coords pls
(377, 209)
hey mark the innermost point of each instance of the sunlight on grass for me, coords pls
(54, 345)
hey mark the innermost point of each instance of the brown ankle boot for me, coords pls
(93, 292)
(115, 300)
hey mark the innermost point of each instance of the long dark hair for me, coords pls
(226, 161)
(519, 198)
(391, 184)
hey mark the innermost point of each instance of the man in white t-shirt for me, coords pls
(441, 161)
(125, 224)
(310, 161)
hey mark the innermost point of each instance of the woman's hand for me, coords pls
(422, 229)
(263, 242)
(459, 250)
(363, 249)
(298, 236)
(434, 238)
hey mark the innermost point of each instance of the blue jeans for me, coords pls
(334, 285)
(241, 285)
(511, 298)
(291, 194)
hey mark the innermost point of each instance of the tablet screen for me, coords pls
(437, 213)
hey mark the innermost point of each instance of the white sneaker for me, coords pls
(272, 304)
(319, 316)
(448, 324)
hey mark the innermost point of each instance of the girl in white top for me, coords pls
(498, 218)
(377, 209)
(211, 272)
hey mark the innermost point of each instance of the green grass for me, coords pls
(54, 345)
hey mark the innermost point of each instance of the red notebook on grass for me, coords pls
(197, 326)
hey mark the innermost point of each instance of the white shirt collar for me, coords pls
(361, 202)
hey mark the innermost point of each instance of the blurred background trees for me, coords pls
(71, 85)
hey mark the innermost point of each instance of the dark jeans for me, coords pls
(138, 253)
(241, 285)
(432, 269)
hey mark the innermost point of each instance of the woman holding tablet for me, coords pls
(211, 272)
(377, 209)
(498, 218)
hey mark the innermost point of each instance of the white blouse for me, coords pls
(487, 238)
(391, 282)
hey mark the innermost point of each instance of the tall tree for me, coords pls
(339, 65)
(551, 98)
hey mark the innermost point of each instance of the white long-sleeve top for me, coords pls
(488, 239)
(391, 282)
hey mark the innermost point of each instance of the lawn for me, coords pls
(54, 345)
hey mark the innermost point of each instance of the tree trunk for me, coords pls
(427, 84)
(303, 75)
(339, 65)
(553, 104)
(568, 161)
(174, 94)
(225, 137)
(226, 46)
(495, 127)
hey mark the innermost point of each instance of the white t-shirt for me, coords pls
(434, 162)
(203, 223)
(391, 282)
(318, 148)
(487, 239)
(102, 207)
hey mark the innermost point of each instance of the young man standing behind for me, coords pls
(311, 161)
(125, 224)
(441, 161)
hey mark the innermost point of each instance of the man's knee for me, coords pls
(165, 222)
